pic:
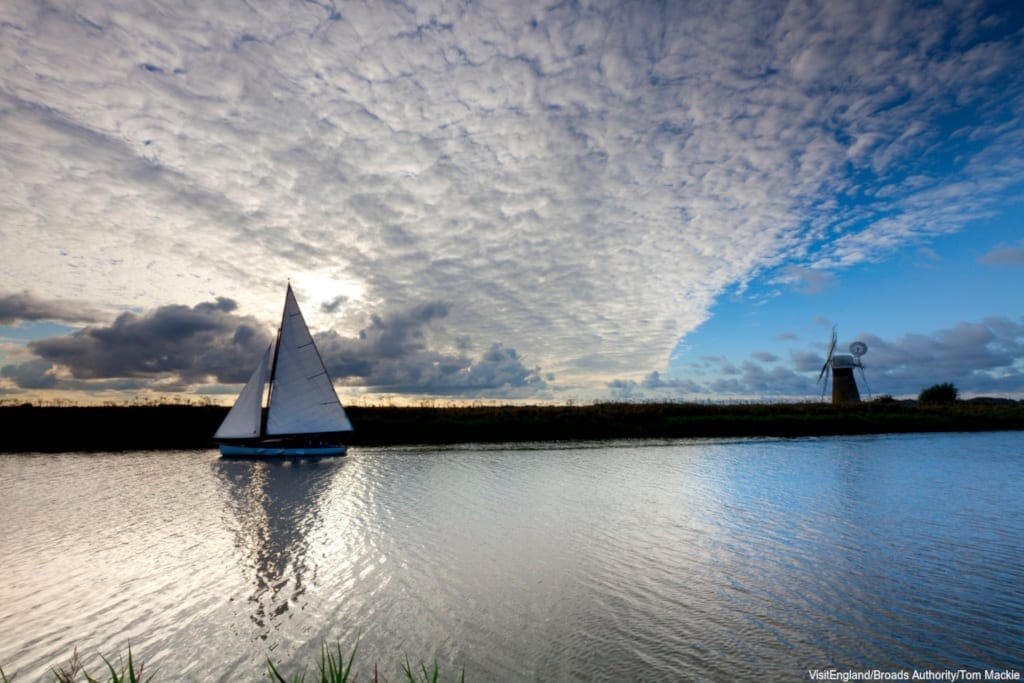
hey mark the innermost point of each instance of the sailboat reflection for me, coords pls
(277, 506)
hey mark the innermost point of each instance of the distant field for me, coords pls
(151, 427)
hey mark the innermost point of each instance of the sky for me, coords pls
(512, 201)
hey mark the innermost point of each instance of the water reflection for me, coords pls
(276, 506)
(717, 560)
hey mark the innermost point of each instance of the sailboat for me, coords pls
(303, 416)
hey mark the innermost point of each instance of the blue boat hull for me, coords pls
(241, 451)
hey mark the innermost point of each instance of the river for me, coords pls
(681, 560)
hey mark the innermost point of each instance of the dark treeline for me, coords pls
(54, 429)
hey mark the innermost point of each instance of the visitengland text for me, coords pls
(914, 675)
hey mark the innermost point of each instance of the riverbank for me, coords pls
(54, 429)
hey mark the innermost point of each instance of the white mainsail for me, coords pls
(302, 398)
(243, 420)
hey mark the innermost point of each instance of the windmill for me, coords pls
(844, 386)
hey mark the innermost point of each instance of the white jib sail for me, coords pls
(243, 420)
(302, 399)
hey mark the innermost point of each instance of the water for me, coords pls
(706, 560)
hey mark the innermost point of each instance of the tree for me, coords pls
(939, 393)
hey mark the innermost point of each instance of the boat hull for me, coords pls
(256, 451)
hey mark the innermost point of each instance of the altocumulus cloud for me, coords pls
(583, 179)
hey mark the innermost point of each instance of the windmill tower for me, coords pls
(844, 385)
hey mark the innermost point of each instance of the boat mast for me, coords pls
(273, 365)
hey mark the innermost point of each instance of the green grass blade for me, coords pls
(333, 668)
(114, 677)
(276, 676)
(351, 659)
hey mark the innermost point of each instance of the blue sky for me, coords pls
(512, 201)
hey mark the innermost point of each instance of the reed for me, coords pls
(334, 669)
(160, 427)
(130, 672)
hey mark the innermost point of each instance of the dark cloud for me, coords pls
(807, 361)
(395, 354)
(193, 344)
(654, 380)
(654, 384)
(624, 389)
(980, 358)
(178, 346)
(33, 374)
(27, 306)
(334, 305)
(756, 380)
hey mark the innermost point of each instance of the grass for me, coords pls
(129, 672)
(332, 668)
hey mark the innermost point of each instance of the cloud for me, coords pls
(33, 374)
(758, 381)
(334, 305)
(25, 305)
(808, 280)
(176, 347)
(807, 361)
(980, 358)
(399, 354)
(195, 344)
(654, 382)
(582, 179)
(1004, 255)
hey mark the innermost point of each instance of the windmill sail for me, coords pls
(844, 384)
(302, 398)
(243, 420)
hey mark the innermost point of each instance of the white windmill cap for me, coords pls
(842, 360)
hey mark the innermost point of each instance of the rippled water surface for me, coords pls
(709, 560)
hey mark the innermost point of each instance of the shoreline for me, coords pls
(28, 428)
